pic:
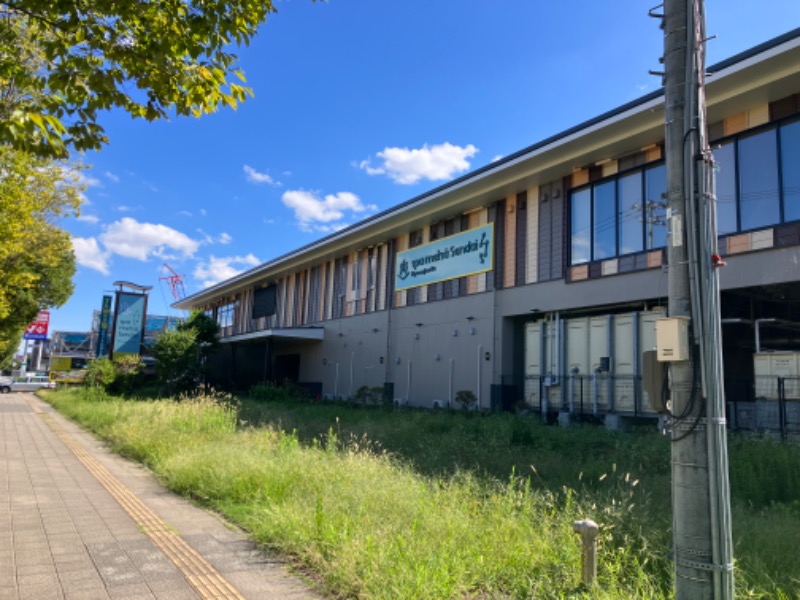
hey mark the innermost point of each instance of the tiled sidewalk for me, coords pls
(64, 536)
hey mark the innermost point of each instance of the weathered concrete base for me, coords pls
(564, 419)
(613, 422)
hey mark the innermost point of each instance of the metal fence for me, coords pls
(768, 404)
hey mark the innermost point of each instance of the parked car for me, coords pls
(5, 385)
(27, 383)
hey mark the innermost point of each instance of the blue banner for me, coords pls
(102, 334)
(458, 255)
(129, 323)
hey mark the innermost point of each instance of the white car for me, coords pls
(27, 383)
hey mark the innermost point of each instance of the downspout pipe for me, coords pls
(637, 364)
(542, 364)
(610, 354)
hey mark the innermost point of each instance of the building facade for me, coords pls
(537, 279)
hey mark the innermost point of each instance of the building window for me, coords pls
(759, 200)
(790, 170)
(758, 178)
(621, 215)
(226, 314)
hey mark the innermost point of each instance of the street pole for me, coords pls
(702, 548)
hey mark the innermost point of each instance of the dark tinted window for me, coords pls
(790, 170)
(758, 180)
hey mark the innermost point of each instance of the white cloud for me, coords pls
(111, 176)
(124, 208)
(88, 254)
(89, 181)
(225, 238)
(496, 158)
(130, 238)
(184, 213)
(435, 163)
(218, 269)
(203, 212)
(254, 176)
(310, 210)
(94, 219)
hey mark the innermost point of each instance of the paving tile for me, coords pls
(63, 536)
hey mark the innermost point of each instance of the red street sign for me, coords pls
(38, 329)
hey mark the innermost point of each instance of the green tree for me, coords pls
(36, 258)
(181, 355)
(62, 62)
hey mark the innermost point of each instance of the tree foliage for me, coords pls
(62, 62)
(181, 354)
(36, 258)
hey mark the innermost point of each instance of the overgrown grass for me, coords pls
(410, 504)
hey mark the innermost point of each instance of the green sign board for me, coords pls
(466, 253)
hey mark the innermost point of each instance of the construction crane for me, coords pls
(174, 281)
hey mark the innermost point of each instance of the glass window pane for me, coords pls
(581, 214)
(725, 176)
(656, 202)
(758, 180)
(630, 214)
(604, 225)
(790, 170)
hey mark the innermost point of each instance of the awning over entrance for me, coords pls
(297, 334)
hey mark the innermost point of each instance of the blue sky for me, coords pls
(359, 105)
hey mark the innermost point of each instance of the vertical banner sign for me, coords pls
(38, 329)
(102, 334)
(128, 323)
(458, 255)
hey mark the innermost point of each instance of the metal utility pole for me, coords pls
(702, 547)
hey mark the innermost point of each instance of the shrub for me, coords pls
(465, 398)
(100, 373)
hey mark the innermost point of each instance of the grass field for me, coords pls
(414, 504)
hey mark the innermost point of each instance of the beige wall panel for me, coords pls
(610, 167)
(735, 124)
(758, 115)
(580, 177)
(653, 153)
(532, 238)
(509, 260)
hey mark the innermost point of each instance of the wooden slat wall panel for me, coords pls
(483, 219)
(348, 286)
(521, 237)
(323, 291)
(464, 225)
(381, 281)
(499, 243)
(509, 252)
(402, 245)
(531, 240)
(422, 293)
(545, 231)
(472, 280)
(364, 268)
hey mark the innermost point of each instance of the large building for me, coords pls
(538, 278)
